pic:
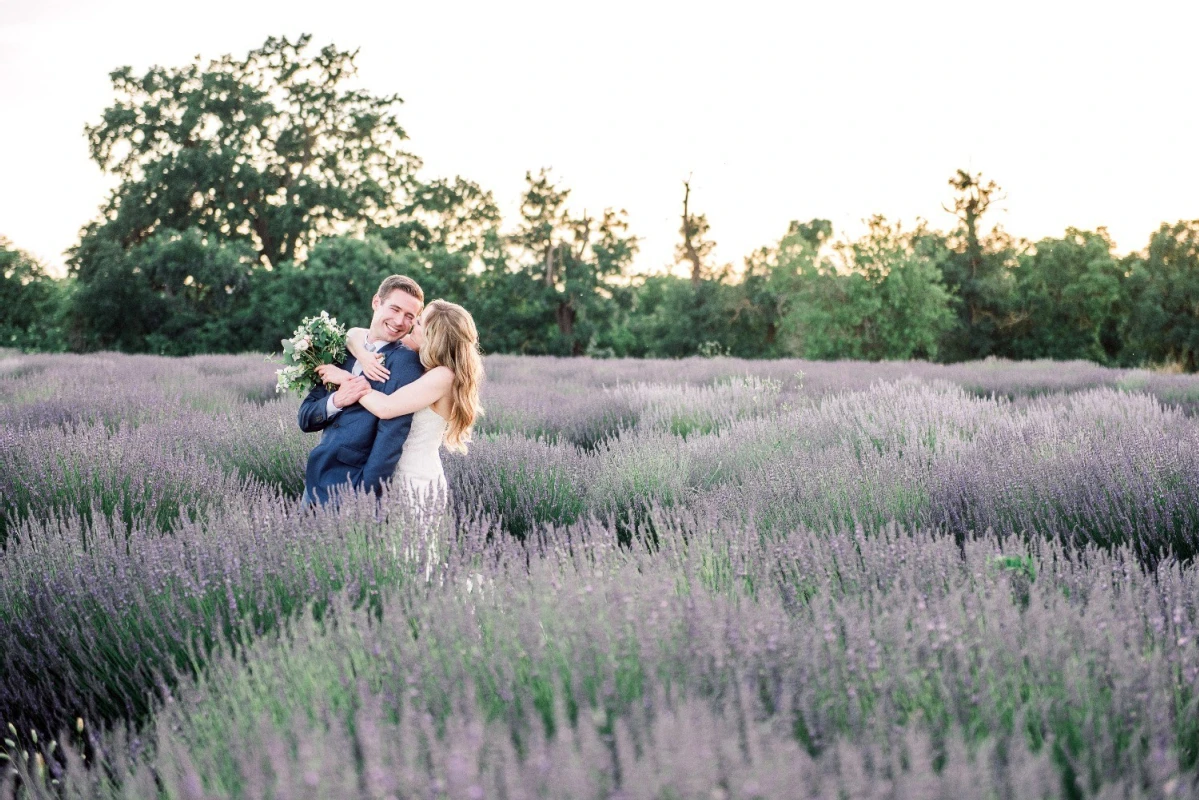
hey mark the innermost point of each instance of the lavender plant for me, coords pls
(894, 663)
(655, 579)
(86, 470)
(94, 616)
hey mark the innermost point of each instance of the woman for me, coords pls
(444, 402)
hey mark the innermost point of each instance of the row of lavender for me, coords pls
(144, 438)
(552, 398)
(724, 472)
(434, 660)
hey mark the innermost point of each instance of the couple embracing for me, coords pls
(410, 384)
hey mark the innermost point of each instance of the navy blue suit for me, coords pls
(357, 447)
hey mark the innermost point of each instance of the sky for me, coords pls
(1086, 114)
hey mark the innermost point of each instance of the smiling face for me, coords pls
(394, 315)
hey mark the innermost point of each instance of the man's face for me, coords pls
(394, 315)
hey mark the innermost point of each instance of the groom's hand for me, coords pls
(351, 392)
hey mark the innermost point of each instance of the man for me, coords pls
(357, 448)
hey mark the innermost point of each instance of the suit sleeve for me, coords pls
(313, 416)
(392, 433)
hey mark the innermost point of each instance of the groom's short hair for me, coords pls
(404, 284)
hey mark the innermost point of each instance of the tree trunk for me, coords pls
(265, 242)
(565, 314)
(688, 232)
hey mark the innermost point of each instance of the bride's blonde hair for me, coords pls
(452, 340)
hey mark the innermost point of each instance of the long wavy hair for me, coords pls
(452, 340)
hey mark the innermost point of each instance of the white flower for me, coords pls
(302, 345)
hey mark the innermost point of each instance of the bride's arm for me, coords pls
(425, 391)
(372, 363)
(356, 343)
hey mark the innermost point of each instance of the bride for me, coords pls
(444, 402)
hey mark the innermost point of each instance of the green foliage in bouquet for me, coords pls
(318, 340)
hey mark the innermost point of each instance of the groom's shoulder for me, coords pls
(404, 365)
(401, 355)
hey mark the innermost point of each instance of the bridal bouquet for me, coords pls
(318, 340)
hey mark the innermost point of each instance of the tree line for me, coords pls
(255, 191)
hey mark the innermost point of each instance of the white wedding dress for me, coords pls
(422, 478)
(419, 468)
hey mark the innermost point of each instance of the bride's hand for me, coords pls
(372, 367)
(333, 374)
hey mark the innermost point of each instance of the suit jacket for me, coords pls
(357, 447)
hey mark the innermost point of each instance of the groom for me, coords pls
(357, 447)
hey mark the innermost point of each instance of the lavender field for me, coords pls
(658, 579)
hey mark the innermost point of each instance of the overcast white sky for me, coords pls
(1087, 114)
